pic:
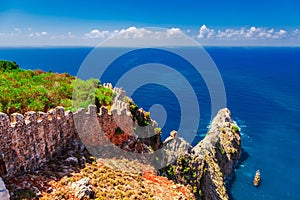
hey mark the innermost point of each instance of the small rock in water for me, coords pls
(256, 180)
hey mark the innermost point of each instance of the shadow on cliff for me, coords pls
(230, 180)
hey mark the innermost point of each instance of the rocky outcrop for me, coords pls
(175, 147)
(211, 161)
(83, 189)
(256, 180)
(113, 132)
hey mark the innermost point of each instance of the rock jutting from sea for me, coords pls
(206, 166)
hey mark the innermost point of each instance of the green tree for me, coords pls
(8, 66)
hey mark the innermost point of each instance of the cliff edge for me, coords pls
(38, 150)
(206, 166)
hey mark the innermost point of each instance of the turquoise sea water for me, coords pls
(263, 93)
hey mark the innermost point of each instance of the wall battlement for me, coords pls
(29, 141)
(33, 139)
(119, 107)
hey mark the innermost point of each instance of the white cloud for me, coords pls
(205, 32)
(154, 37)
(125, 37)
(70, 35)
(139, 33)
(134, 36)
(18, 30)
(231, 33)
(96, 34)
(295, 32)
(252, 33)
(280, 34)
(37, 34)
(133, 33)
(173, 31)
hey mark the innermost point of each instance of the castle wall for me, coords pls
(28, 141)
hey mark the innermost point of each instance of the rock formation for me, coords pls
(113, 133)
(28, 143)
(83, 189)
(256, 180)
(175, 146)
(211, 161)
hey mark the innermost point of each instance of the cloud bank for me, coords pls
(255, 36)
(243, 33)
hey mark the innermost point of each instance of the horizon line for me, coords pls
(175, 46)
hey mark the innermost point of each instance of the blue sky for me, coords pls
(231, 22)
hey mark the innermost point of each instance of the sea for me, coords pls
(262, 86)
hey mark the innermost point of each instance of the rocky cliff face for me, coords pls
(113, 133)
(30, 142)
(210, 162)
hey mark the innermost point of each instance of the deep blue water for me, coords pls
(263, 93)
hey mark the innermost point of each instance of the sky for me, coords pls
(87, 23)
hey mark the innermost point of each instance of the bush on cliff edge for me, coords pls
(36, 90)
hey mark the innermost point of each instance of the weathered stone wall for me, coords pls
(27, 142)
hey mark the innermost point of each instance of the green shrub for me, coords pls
(119, 130)
(158, 131)
(170, 171)
(6, 66)
(236, 129)
(139, 116)
(27, 90)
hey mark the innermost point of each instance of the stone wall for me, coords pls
(27, 142)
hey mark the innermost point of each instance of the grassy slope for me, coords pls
(27, 90)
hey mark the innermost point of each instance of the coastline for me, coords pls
(202, 153)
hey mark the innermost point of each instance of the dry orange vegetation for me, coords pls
(111, 180)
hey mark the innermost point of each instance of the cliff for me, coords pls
(39, 148)
(206, 166)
